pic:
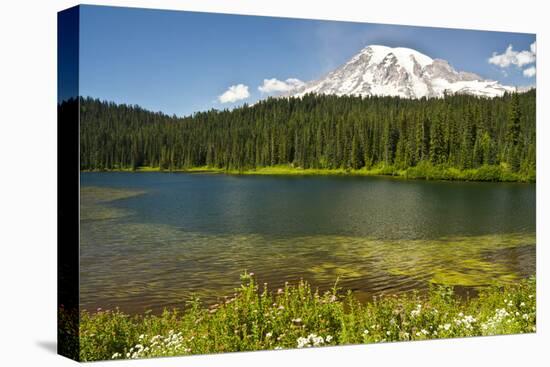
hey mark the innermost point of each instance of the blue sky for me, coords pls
(182, 62)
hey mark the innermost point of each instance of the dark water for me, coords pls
(150, 240)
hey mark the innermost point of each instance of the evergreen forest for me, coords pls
(391, 134)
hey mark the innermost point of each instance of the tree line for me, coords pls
(316, 131)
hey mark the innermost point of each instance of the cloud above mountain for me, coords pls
(234, 93)
(275, 85)
(512, 57)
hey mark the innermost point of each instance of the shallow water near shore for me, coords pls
(152, 240)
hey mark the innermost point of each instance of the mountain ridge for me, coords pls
(399, 71)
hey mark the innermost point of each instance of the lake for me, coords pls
(153, 240)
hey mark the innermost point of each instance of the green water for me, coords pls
(152, 240)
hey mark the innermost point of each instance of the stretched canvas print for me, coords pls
(236, 183)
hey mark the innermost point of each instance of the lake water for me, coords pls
(152, 240)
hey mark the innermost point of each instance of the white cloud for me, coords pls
(234, 93)
(511, 57)
(530, 72)
(534, 47)
(274, 85)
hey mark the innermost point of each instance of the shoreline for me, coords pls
(299, 316)
(421, 172)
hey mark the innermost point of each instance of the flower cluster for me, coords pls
(465, 321)
(157, 346)
(313, 340)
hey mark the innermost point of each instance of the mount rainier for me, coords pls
(385, 71)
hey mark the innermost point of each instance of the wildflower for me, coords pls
(251, 274)
(447, 326)
(328, 338)
(522, 304)
(280, 290)
(317, 340)
(312, 340)
(416, 312)
(116, 355)
(302, 342)
(388, 332)
(268, 335)
(297, 320)
(366, 331)
(525, 316)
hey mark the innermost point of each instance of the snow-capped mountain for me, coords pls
(386, 71)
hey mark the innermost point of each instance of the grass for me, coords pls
(424, 170)
(297, 316)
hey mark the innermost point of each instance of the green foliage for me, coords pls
(298, 316)
(318, 132)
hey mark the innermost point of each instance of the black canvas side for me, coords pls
(68, 177)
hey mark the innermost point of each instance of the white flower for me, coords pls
(522, 304)
(311, 340)
(302, 342)
(328, 338)
(447, 326)
(366, 331)
(525, 316)
(268, 335)
(416, 312)
(116, 355)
